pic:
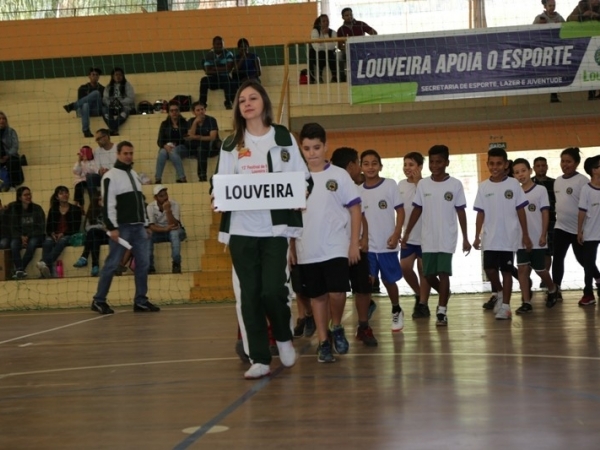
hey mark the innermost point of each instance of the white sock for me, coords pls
(442, 309)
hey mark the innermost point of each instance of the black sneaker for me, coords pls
(489, 305)
(551, 298)
(68, 108)
(421, 311)
(151, 270)
(524, 308)
(299, 328)
(309, 327)
(146, 307)
(442, 320)
(175, 269)
(101, 308)
(88, 134)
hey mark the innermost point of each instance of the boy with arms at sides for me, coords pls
(347, 159)
(384, 212)
(329, 241)
(439, 200)
(500, 204)
(538, 218)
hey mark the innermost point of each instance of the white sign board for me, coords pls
(248, 192)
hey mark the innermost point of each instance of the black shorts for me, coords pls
(359, 275)
(499, 260)
(296, 280)
(323, 277)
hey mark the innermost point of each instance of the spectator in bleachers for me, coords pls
(549, 16)
(9, 153)
(84, 166)
(172, 144)
(105, 156)
(218, 63)
(585, 11)
(27, 223)
(165, 223)
(246, 65)
(95, 236)
(350, 27)
(118, 100)
(324, 53)
(64, 220)
(4, 227)
(89, 100)
(203, 138)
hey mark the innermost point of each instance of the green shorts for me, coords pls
(436, 263)
(536, 258)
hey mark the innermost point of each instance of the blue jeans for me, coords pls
(114, 122)
(175, 156)
(16, 245)
(174, 237)
(137, 236)
(90, 105)
(52, 249)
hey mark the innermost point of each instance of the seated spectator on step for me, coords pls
(84, 166)
(89, 100)
(118, 101)
(4, 227)
(203, 138)
(350, 27)
(165, 224)
(171, 144)
(549, 16)
(105, 156)
(95, 236)
(27, 230)
(64, 220)
(218, 63)
(585, 11)
(320, 55)
(9, 154)
(246, 65)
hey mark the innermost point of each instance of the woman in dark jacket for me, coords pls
(118, 101)
(64, 220)
(171, 143)
(27, 221)
(203, 139)
(9, 154)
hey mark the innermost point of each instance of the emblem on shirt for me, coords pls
(244, 153)
(531, 207)
(285, 155)
(448, 196)
(382, 204)
(569, 190)
(508, 194)
(331, 185)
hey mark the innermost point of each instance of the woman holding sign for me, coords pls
(258, 239)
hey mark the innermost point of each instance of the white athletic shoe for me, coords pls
(287, 353)
(499, 302)
(504, 313)
(397, 321)
(257, 371)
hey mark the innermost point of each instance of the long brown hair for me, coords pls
(239, 123)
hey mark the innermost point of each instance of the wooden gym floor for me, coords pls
(76, 380)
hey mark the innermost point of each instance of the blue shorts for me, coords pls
(411, 249)
(388, 264)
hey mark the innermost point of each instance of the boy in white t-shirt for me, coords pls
(588, 225)
(439, 200)
(500, 204)
(384, 212)
(329, 242)
(538, 219)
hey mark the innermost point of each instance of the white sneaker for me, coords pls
(504, 313)
(257, 371)
(397, 321)
(499, 302)
(44, 271)
(287, 353)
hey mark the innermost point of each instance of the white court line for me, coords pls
(51, 329)
(349, 355)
